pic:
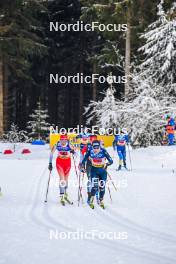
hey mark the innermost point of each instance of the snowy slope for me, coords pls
(143, 209)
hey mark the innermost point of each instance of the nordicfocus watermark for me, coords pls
(87, 183)
(80, 234)
(80, 129)
(85, 79)
(81, 26)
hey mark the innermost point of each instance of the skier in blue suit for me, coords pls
(120, 142)
(100, 160)
(170, 129)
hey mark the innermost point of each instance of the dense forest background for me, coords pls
(29, 52)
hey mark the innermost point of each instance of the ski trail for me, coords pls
(107, 221)
(37, 195)
(36, 219)
(111, 245)
(134, 229)
(114, 216)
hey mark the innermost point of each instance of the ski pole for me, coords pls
(112, 181)
(75, 166)
(114, 153)
(129, 157)
(110, 193)
(79, 181)
(79, 190)
(80, 196)
(46, 198)
(81, 187)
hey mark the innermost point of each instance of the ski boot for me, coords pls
(62, 201)
(102, 204)
(124, 164)
(119, 168)
(91, 204)
(67, 199)
(88, 198)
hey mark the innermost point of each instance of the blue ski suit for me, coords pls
(120, 141)
(98, 170)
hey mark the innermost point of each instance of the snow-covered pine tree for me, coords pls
(160, 48)
(142, 116)
(15, 136)
(105, 111)
(111, 56)
(153, 83)
(38, 125)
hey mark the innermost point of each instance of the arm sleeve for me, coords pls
(51, 154)
(72, 148)
(85, 157)
(81, 157)
(110, 161)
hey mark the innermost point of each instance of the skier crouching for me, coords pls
(98, 157)
(63, 165)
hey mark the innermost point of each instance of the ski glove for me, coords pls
(82, 168)
(105, 166)
(72, 151)
(50, 167)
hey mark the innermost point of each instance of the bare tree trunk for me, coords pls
(5, 93)
(128, 52)
(142, 7)
(94, 93)
(81, 98)
(1, 99)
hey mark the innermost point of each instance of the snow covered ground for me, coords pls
(142, 214)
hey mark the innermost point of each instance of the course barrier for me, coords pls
(107, 140)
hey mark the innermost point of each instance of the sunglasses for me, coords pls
(96, 147)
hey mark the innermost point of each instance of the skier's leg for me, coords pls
(88, 170)
(67, 167)
(89, 185)
(102, 184)
(124, 156)
(97, 197)
(60, 170)
(168, 139)
(89, 188)
(62, 183)
(119, 151)
(95, 182)
(94, 185)
(171, 139)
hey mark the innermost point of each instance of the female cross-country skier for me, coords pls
(63, 165)
(99, 159)
(170, 129)
(84, 146)
(86, 141)
(120, 144)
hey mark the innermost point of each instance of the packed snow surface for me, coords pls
(142, 213)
